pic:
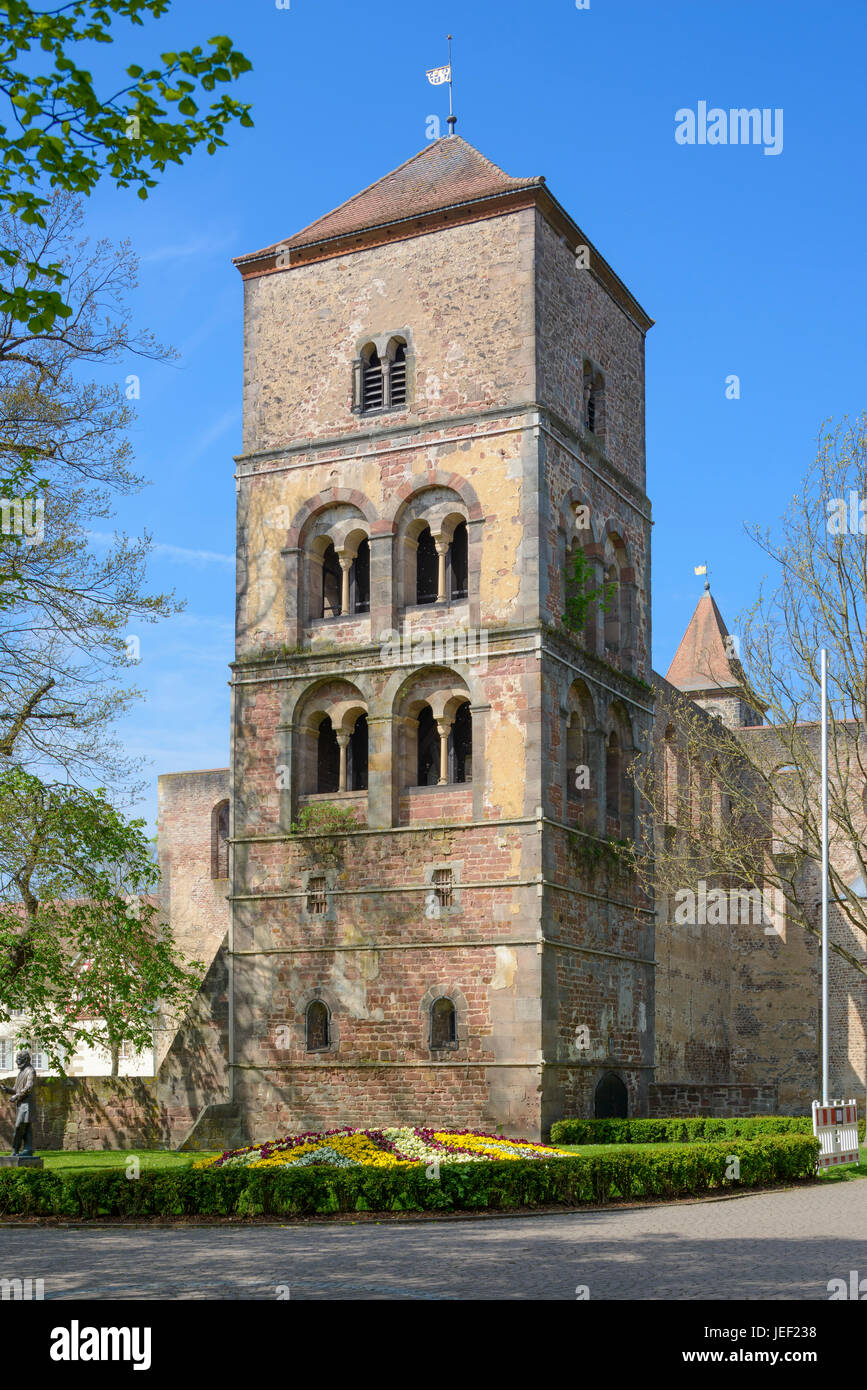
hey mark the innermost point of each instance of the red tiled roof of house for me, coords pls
(701, 662)
(445, 173)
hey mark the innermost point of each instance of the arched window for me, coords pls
(332, 583)
(426, 568)
(397, 375)
(328, 758)
(458, 562)
(318, 1030)
(220, 840)
(359, 580)
(612, 602)
(428, 749)
(612, 777)
(371, 380)
(612, 1098)
(461, 746)
(443, 1023)
(575, 759)
(356, 757)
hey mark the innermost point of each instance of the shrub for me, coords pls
(661, 1172)
(679, 1131)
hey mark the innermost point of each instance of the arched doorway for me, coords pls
(612, 1098)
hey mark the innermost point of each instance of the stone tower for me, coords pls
(443, 405)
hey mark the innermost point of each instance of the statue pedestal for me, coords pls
(15, 1161)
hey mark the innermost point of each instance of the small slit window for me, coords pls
(443, 885)
(317, 896)
(318, 1026)
(443, 1024)
(220, 840)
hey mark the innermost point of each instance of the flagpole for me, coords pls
(453, 120)
(824, 672)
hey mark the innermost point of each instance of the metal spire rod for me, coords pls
(823, 655)
(453, 120)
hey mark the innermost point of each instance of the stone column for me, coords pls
(444, 727)
(343, 744)
(442, 546)
(345, 566)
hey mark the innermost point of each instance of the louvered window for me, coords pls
(372, 382)
(398, 376)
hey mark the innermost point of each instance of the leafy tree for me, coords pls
(66, 608)
(61, 133)
(750, 812)
(582, 591)
(80, 932)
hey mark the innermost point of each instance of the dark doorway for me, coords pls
(612, 1098)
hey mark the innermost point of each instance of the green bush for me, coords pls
(662, 1171)
(679, 1131)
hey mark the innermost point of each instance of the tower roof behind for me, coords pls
(702, 661)
(447, 172)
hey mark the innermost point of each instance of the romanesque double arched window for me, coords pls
(380, 377)
(441, 563)
(435, 725)
(341, 756)
(619, 784)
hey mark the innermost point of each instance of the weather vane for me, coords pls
(703, 569)
(436, 77)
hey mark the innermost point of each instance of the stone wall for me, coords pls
(716, 1100)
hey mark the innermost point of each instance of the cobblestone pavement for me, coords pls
(776, 1245)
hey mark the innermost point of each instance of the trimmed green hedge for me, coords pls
(662, 1172)
(674, 1131)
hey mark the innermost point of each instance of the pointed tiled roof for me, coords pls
(701, 662)
(445, 173)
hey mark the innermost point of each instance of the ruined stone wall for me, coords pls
(191, 900)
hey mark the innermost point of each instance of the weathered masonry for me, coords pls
(440, 406)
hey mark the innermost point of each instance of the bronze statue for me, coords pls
(24, 1096)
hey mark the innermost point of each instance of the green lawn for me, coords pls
(102, 1160)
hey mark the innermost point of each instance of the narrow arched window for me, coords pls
(327, 758)
(397, 375)
(612, 777)
(332, 583)
(356, 756)
(220, 840)
(359, 580)
(458, 563)
(428, 749)
(443, 1023)
(426, 568)
(575, 781)
(612, 609)
(318, 1026)
(461, 746)
(371, 380)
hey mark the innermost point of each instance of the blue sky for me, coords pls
(751, 264)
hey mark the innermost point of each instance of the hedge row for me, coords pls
(672, 1131)
(460, 1187)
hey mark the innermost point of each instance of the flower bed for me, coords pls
(399, 1147)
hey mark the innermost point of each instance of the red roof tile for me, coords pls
(447, 172)
(701, 662)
